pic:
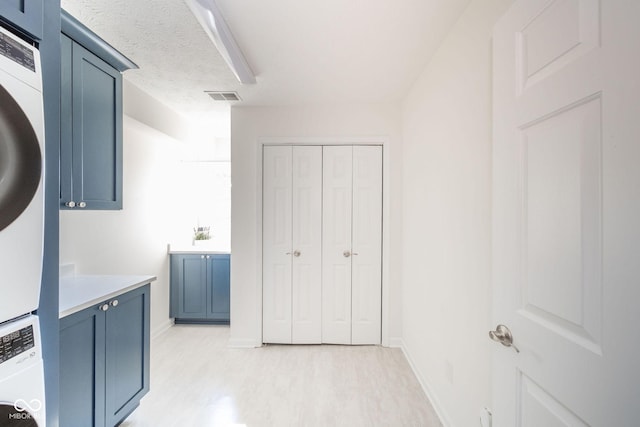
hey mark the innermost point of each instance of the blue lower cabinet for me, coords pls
(104, 360)
(200, 288)
(82, 361)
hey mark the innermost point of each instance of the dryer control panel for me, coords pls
(17, 52)
(16, 343)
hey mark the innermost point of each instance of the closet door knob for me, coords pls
(296, 253)
(346, 254)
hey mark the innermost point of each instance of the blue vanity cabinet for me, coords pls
(219, 288)
(104, 360)
(200, 288)
(91, 120)
(23, 15)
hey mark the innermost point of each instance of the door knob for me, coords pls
(296, 253)
(503, 335)
(346, 254)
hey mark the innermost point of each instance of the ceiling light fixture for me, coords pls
(213, 23)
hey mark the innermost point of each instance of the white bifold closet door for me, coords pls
(352, 244)
(292, 244)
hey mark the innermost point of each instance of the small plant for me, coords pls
(201, 233)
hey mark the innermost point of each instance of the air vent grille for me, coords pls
(223, 96)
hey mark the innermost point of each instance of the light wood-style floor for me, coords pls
(197, 381)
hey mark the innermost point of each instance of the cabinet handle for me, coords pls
(104, 307)
(201, 256)
(70, 204)
(82, 204)
(208, 257)
(114, 303)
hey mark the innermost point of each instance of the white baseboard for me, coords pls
(243, 343)
(395, 342)
(435, 402)
(164, 327)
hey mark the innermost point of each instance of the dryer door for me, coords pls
(20, 160)
(13, 415)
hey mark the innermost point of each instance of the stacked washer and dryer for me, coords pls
(22, 399)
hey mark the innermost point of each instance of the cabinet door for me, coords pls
(127, 353)
(218, 270)
(97, 131)
(192, 283)
(26, 15)
(66, 120)
(82, 369)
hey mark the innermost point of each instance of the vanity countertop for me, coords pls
(203, 248)
(80, 292)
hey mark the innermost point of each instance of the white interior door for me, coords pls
(352, 245)
(292, 242)
(337, 191)
(277, 244)
(565, 214)
(366, 264)
(307, 246)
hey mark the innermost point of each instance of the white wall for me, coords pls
(446, 304)
(330, 123)
(156, 207)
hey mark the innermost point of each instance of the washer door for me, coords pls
(12, 417)
(20, 160)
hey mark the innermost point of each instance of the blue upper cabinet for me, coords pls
(23, 15)
(91, 120)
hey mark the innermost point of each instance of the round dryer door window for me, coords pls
(20, 160)
(14, 416)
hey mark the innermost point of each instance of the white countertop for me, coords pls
(80, 292)
(200, 248)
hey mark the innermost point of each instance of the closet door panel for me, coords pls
(367, 245)
(276, 250)
(336, 258)
(307, 245)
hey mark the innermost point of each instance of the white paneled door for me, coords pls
(565, 215)
(292, 246)
(337, 188)
(322, 244)
(352, 245)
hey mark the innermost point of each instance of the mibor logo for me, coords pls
(20, 413)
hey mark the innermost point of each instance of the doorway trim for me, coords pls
(385, 339)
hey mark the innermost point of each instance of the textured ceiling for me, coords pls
(321, 52)
(176, 58)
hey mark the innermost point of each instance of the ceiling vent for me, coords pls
(223, 96)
